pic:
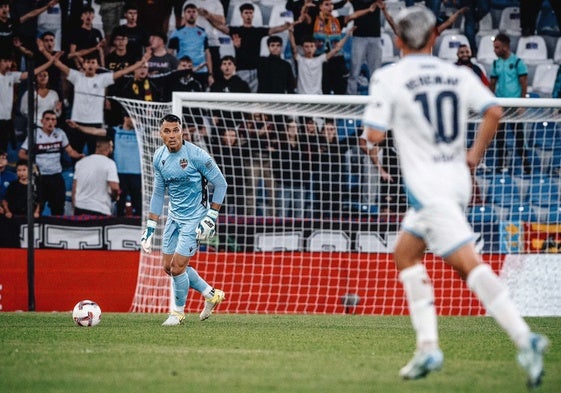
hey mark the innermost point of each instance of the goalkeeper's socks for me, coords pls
(197, 283)
(420, 298)
(494, 296)
(180, 289)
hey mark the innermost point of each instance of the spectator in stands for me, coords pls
(127, 159)
(331, 170)
(138, 38)
(310, 9)
(310, 68)
(6, 177)
(529, 10)
(366, 43)
(161, 61)
(328, 31)
(71, 11)
(8, 79)
(464, 59)
(89, 94)
(274, 75)
(230, 156)
(26, 13)
(288, 159)
(50, 143)
(191, 40)
(181, 81)
(390, 198)
(120, 57)
(216, 8)
(509, 78)
(473, 11)
(262, 143)
(229, 82)
(14, 202)
(153, 15)
(50, 20)
(86, 40)
(96, 183)
(45, 98)
(145, 87)
(310, 141)
(48, 40)
(111, 12)
(247, 41)
(11, 25)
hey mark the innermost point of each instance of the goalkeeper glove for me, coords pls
(146, 239)
(207, 226)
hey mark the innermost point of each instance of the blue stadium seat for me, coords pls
(502, 191)
(522, 212)
(479, 214)
(543, 192)
(554, 214)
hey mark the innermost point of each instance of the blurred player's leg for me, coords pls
(420, 298)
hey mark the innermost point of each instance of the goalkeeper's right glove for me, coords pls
(146, 239)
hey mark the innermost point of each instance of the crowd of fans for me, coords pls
(300, 166)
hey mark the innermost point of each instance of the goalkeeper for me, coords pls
(184, 169)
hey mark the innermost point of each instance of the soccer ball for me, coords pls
(86, 313)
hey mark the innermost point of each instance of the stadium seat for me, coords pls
(485, 52)
(544, 79)
(557, 52)
(533, 50)
(226, 46)
(327, 240)
(523, 212)
(554, 214)
(486, 26)
(235, 16)
(388, 53)
(481, 214)
(510, 21)
(543, 192)
(449, 44)
(502, 191)
(375, 242)
(288, 241)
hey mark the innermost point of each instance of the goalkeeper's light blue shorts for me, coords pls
(180, 237)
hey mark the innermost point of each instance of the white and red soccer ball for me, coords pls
(86, 313)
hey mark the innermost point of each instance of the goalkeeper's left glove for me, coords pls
(207, 227)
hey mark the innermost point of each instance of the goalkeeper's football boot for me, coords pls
(423, 362)
(210, 304)
(531, 359)
(174, 319)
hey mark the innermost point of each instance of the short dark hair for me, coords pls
(87, 8)
(4, 2)
(308, 38)
(160, 34)
(185, 58)
(189, 6)
(247, 6)
(92, 56)
(21, 162)
(228, 58)
(274, 38)
(48, 112)
(46, 33)
(502, 37)
(170, 118)
(130, 5)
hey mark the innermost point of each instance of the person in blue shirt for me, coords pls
(6, 177)
(184, 169)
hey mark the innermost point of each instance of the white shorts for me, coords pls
(443, 226)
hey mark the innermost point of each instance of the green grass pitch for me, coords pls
(45, 352)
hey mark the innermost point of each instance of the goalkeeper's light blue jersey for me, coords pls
(184, 174)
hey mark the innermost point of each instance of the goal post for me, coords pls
(309, 223)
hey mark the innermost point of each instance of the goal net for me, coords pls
(311, 214)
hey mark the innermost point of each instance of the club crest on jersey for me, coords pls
(183, 163)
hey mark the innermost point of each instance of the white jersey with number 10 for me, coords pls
(426, 102)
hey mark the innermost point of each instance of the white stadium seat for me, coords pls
(533, 50)
(544, 79)
(326, 240)
(510, 21)
(287, 241)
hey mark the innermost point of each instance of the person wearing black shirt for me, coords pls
(274, 75)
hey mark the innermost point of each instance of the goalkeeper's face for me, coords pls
(171, 135)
